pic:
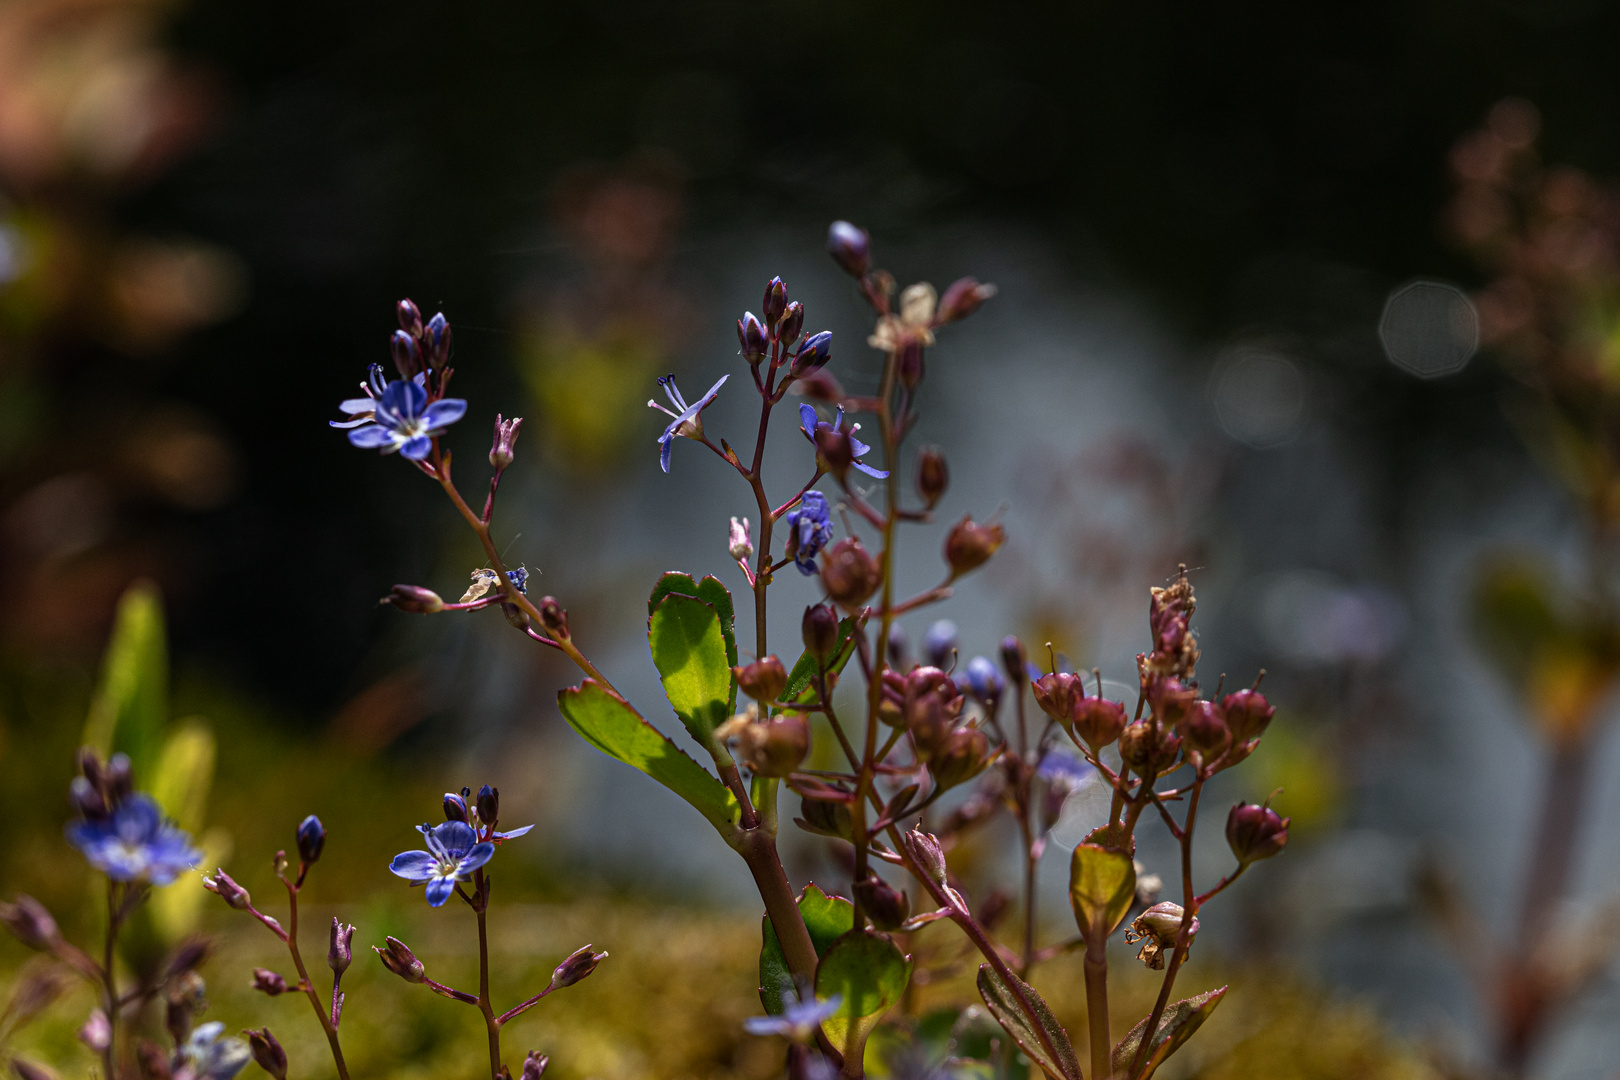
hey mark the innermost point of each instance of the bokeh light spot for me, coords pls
(1259, 396)
(1429, 328)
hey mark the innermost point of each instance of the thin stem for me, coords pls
(308, 984)
(481, 888)
(1096, 968)
(1189, 906)
(109, 980)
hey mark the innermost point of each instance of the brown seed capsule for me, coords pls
(1206, 729)
(933, 477)
(1054, 693)
(414, 599)
(399, 959)
(269, 982)
(1255, 832)
(1096, 721)
(969, 545)
(1148, 749)
(774, 747)
(1247, 714)
(963, 298)
(961, 757)
(553, 617)
(828, 817)
(268, 1052)
(887, 907)
(820, 629)
(849, 573)
(763, 680)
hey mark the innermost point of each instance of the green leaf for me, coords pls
(1176, 1026)
(828, 918)
(711, 592)
(868, 973)
(1003, 1005)
(608, 723)
(184, 773)
(132, 703)
(690, 653)
(1102, 884)
(801, 680)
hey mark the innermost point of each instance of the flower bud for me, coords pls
(813, 354)
(751, 336)
(970, 545)
(186, 998)
(553, 617)
(505, 438)
(850, 247)
(1096, 721)
(188, 956)
(820, 629)
(268, 982)
(984, 682)
(1247, 714)
(887, 907)
(1206, 729)
(414, 600)
(152, 1063)
(821, 386)
(119, 778)
(932, 475)
(407, 355)
(834, 449)
(849, 573)
(86, 799)
(939, 643)
(577, 965)
(30, 923)
(455, 807)
(925, 852)
(311, 839)
(436, 341)
(31, 1070)
(410, 317)
(1013, 660)
(338, 951)
(399, 959)
(1148, 749)
(763, 680)
(963, 298)
(910, 367)
(229, 891)
(775, 302)
(534, 1066)
(267, 1052)
(1255, 832)
(963, 756)
(1158, 928)
(96, 1033)
(829, 817)
(1170, 701)
(775, 747)
(1055, 692)
(489, 806)
(739, 545)
(792, 322)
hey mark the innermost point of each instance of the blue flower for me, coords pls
(809, 528)
(798, 1020)
(983, 680)
(457, 808)
(809, 422)
(135, 843)
(397, 416)
(210, 1057)
(1064, 771)
(688, 420)
(940, 642)
(453, 853)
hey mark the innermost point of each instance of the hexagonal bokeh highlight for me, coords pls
(1429, 328)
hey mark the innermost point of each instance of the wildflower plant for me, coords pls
(832, 966)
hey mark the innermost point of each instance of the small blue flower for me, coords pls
(135, 843)
(809, 528)
(940, 642)
(1064, 771)
(798, 1019)
(688, 420)
(983, 680)
(397, 416)
(453, 853)
(210, 1057)
(468, 812)
(809, 422)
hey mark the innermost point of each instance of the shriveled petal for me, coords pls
(478, 856)
(438, 891)
(371, 437)
(443, 413)
(414, 866)
(416, 448)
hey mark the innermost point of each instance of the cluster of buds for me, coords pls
(780, 327)
(928, 704)
(101, 785)
(418, 347)
(1092, 720)
(1175, 650)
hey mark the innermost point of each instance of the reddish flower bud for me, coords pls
(577, 965)
(850, 247)
(963, 756)
(910, 368)
(410, 317)
(1255, 832)
(932, 475)
(267, 1052)
(775, 302)
(489, 806)
(407, 354)
(1148, 748)
(399, 959)
(534, 1066)
(229, 891)
(1054, 693)
(505, 438)
(269, 982)
(925, 851)
(1096, 721)
(820, 385)
(849, 573)
(1013, 660)
(751, 336)
(887, 907)
(414, 600)
(1206, 729)
(774, 747)
(970, 545)
(820, 629)
(763, 680)
(963, 298)
(553, 617)
(1247, 714)
(792, 322)
(30, 923)
(339, 953)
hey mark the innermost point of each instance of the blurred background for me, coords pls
(1324, 303)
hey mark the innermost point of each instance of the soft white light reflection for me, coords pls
(1259, 396)
(1429, 328)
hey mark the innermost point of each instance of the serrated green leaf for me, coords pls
(711, 592)
(801, 680)
(690, 653)
(131, 704)
(608, 723)
(868, 973)
(1176, 1026)
(184, 773)
(1102, 885)
(828, 918)
(1003, 1005)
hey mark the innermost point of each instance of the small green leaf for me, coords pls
(868, 973)
(711, 592)
(1176, 1026)
(132, 703)
(801, 680)
(1102, 884)
(828, 918)
(1003, 1005)
(690, 653)
(184, 773)
(608, 723)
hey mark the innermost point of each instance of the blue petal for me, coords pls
(442, 413)
(439, 890)
(767, 1025)
(856, 447)
(372, 437)
(356, 422)
(457, 837)
(881, 474)
(513, 834)
(808, 421)
(703, 401)
(417, 448)
(415, 866)
(357, 405)
(664, 446)
(404, 398)
(477, 857)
